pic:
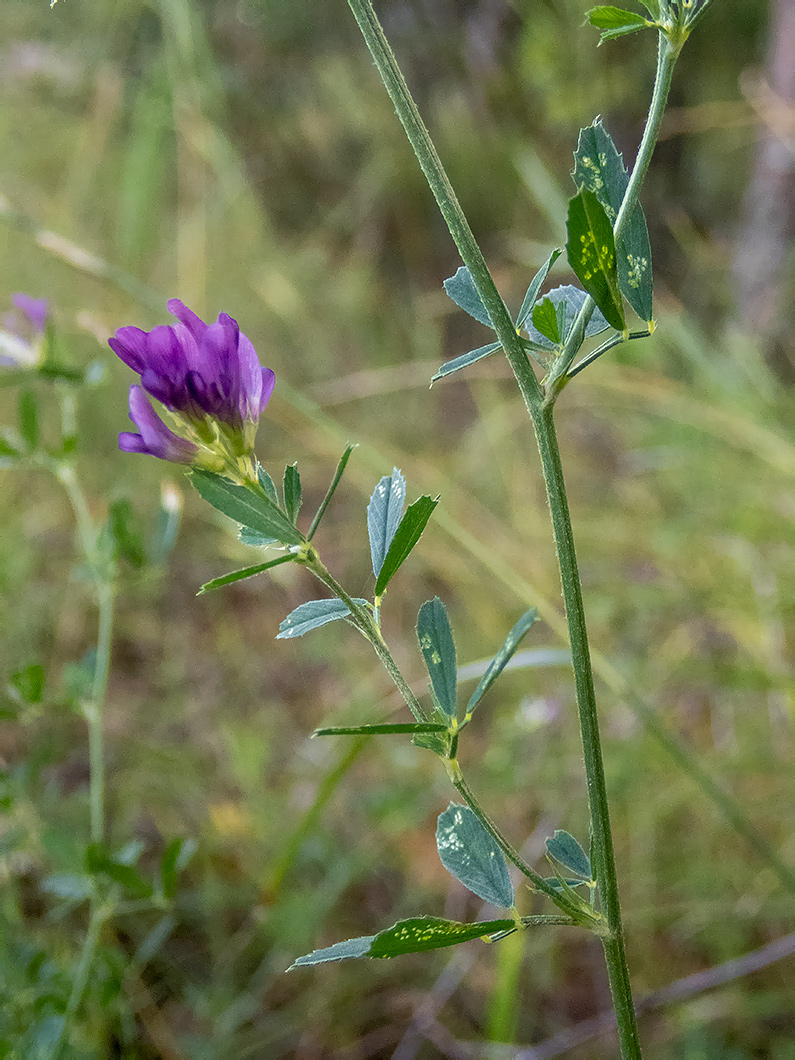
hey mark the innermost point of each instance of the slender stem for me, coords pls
(603, 855)
(366, 625)
(448, 203)
(667, 54)
(99, 914)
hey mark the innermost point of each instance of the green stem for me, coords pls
(367, 625)
(667, 54)
(603, 855)
(99, 914)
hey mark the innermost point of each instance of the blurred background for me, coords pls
(244, 157)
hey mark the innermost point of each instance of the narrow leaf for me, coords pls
(560, 885)
(244, 572)
(415, 935)
(535, 286)
(381, 730)
(574, 299)
(470, 854)
(545, 320)
(652, 6)
(422, 933)
(406, 537)
(563, 847)
(503, 656)
(29, 418)
(599, 167)
(383, 516)
(330, 491)
(465, 360)
(592, 255)
(292, 492)
(311, 615)
(340, 951)
(461, 288)
(438, 650)
(245, 506)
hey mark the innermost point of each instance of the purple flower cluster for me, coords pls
(207, 376)
(22, 335)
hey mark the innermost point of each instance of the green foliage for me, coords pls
(405, 538)
(292, 492)
(599, 167)
(384, 513)
(615, 22)
(461, 288)
(470, 854)
(563, 847)
(592, 255)
(502, 658)
(438, 649)
(312, 615)
(415, 935)
(260, 514)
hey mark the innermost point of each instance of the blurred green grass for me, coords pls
(245, 159)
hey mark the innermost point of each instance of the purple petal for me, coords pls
(130, 344)
(155, 438)
(268, 383)
(35, 309)
(194, 324)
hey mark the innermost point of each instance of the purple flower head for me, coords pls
(207, 375)
(23, 330)
(155, 438)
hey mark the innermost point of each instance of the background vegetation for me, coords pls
(244, 158)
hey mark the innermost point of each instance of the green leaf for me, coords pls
(558, 884)
(461, 288)
(563, 847)
(438, 650)
(384, 513)
(592, 255)
(244, 572)
(292, 492)
(423, 933)
(615, 22)
(599, 167)
(7, 450)
(245, 506)
(406, 537)
(535, 286)
(545, 320)
(573, 298)
(416, 935)
(29, 418)
(503, 656)
(465, 360)
(100, 862)
(29, 682)
(340, 951)
(311, 615)
(268, 485)
(653, 7)
(470, 854)
(381, 730)
(330, 491)
(175, 857)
